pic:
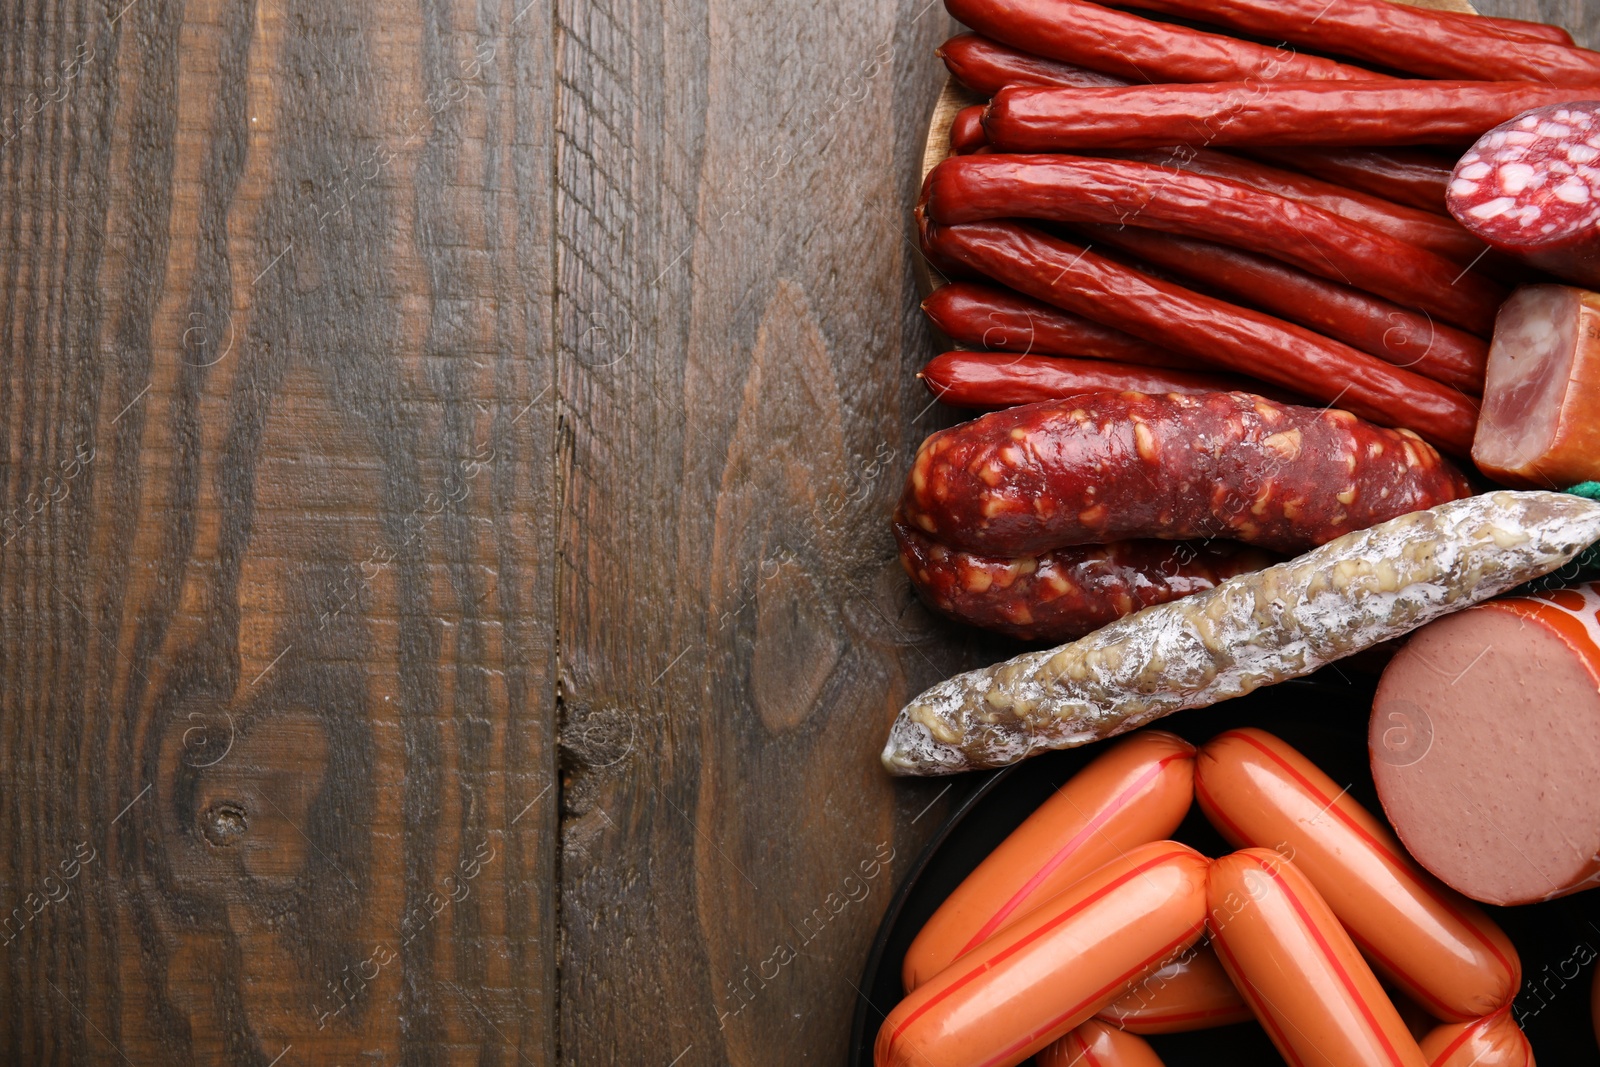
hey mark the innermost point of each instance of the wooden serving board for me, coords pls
(956, 96)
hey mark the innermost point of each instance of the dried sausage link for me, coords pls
(1109, 466)
(1061, 595)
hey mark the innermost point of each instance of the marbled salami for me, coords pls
(1531, 188)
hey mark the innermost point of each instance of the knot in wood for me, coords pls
(224, 823)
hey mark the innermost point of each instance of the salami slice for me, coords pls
(1531, 188)
(1108, 466)
(1062, 595)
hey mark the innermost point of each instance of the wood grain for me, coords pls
(278, 640)
(445, 454)
(735, 632)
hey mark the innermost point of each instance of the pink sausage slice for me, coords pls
(1298, 970)
(1136, 792)
(1492, 1041)
(1540, 422)
(1192, 992)
(1485, 743)
(1094, 1044)
(1531, 188)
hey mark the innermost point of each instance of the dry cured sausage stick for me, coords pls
(1001, 320)
(1221, 334)
(1425, 229)
(1399, 37)
(1077, 189)
(1415, 177)
(1531, 188)
(1033, 119)
(1140, 50)
(966, 130)
(1394, 334)
(1001, 380)
(1543, 31)
(986, 67)
(1061, 595)
(1510, 28)
(1255, 630)
(1107, 466)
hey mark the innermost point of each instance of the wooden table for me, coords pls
(446, 609)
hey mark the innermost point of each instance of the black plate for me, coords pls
(1326, 718)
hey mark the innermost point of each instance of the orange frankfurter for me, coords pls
(1440, 948)
(1094, 1044)
(1492, 1041)
(1192, 992)
(1298, 970)
(1136, 793)
(1052, 969)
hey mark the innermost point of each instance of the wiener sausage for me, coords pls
(1499, 812)
(1138, 791)
(1064, 594)
(1136, 49)
(1438, 947)
(1397, 335)
(1283, 622)
(1223, 335)
(1052, 969)
(1492, 1041)
(1297, 969)
(986, 67)
(1192, 992)
(1094, 1044)
(1032, 119)
(1107, 466)
(1541, 415)
(1406, 176)
(1117, 192)
(966, 130)
(1531, 189)
(996, 380)
(1424, 229)
(1001, 320)
(1399, 37)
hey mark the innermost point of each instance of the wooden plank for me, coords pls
(739, 338)
(276, 624)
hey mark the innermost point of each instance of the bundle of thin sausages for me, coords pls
(1142, 206)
